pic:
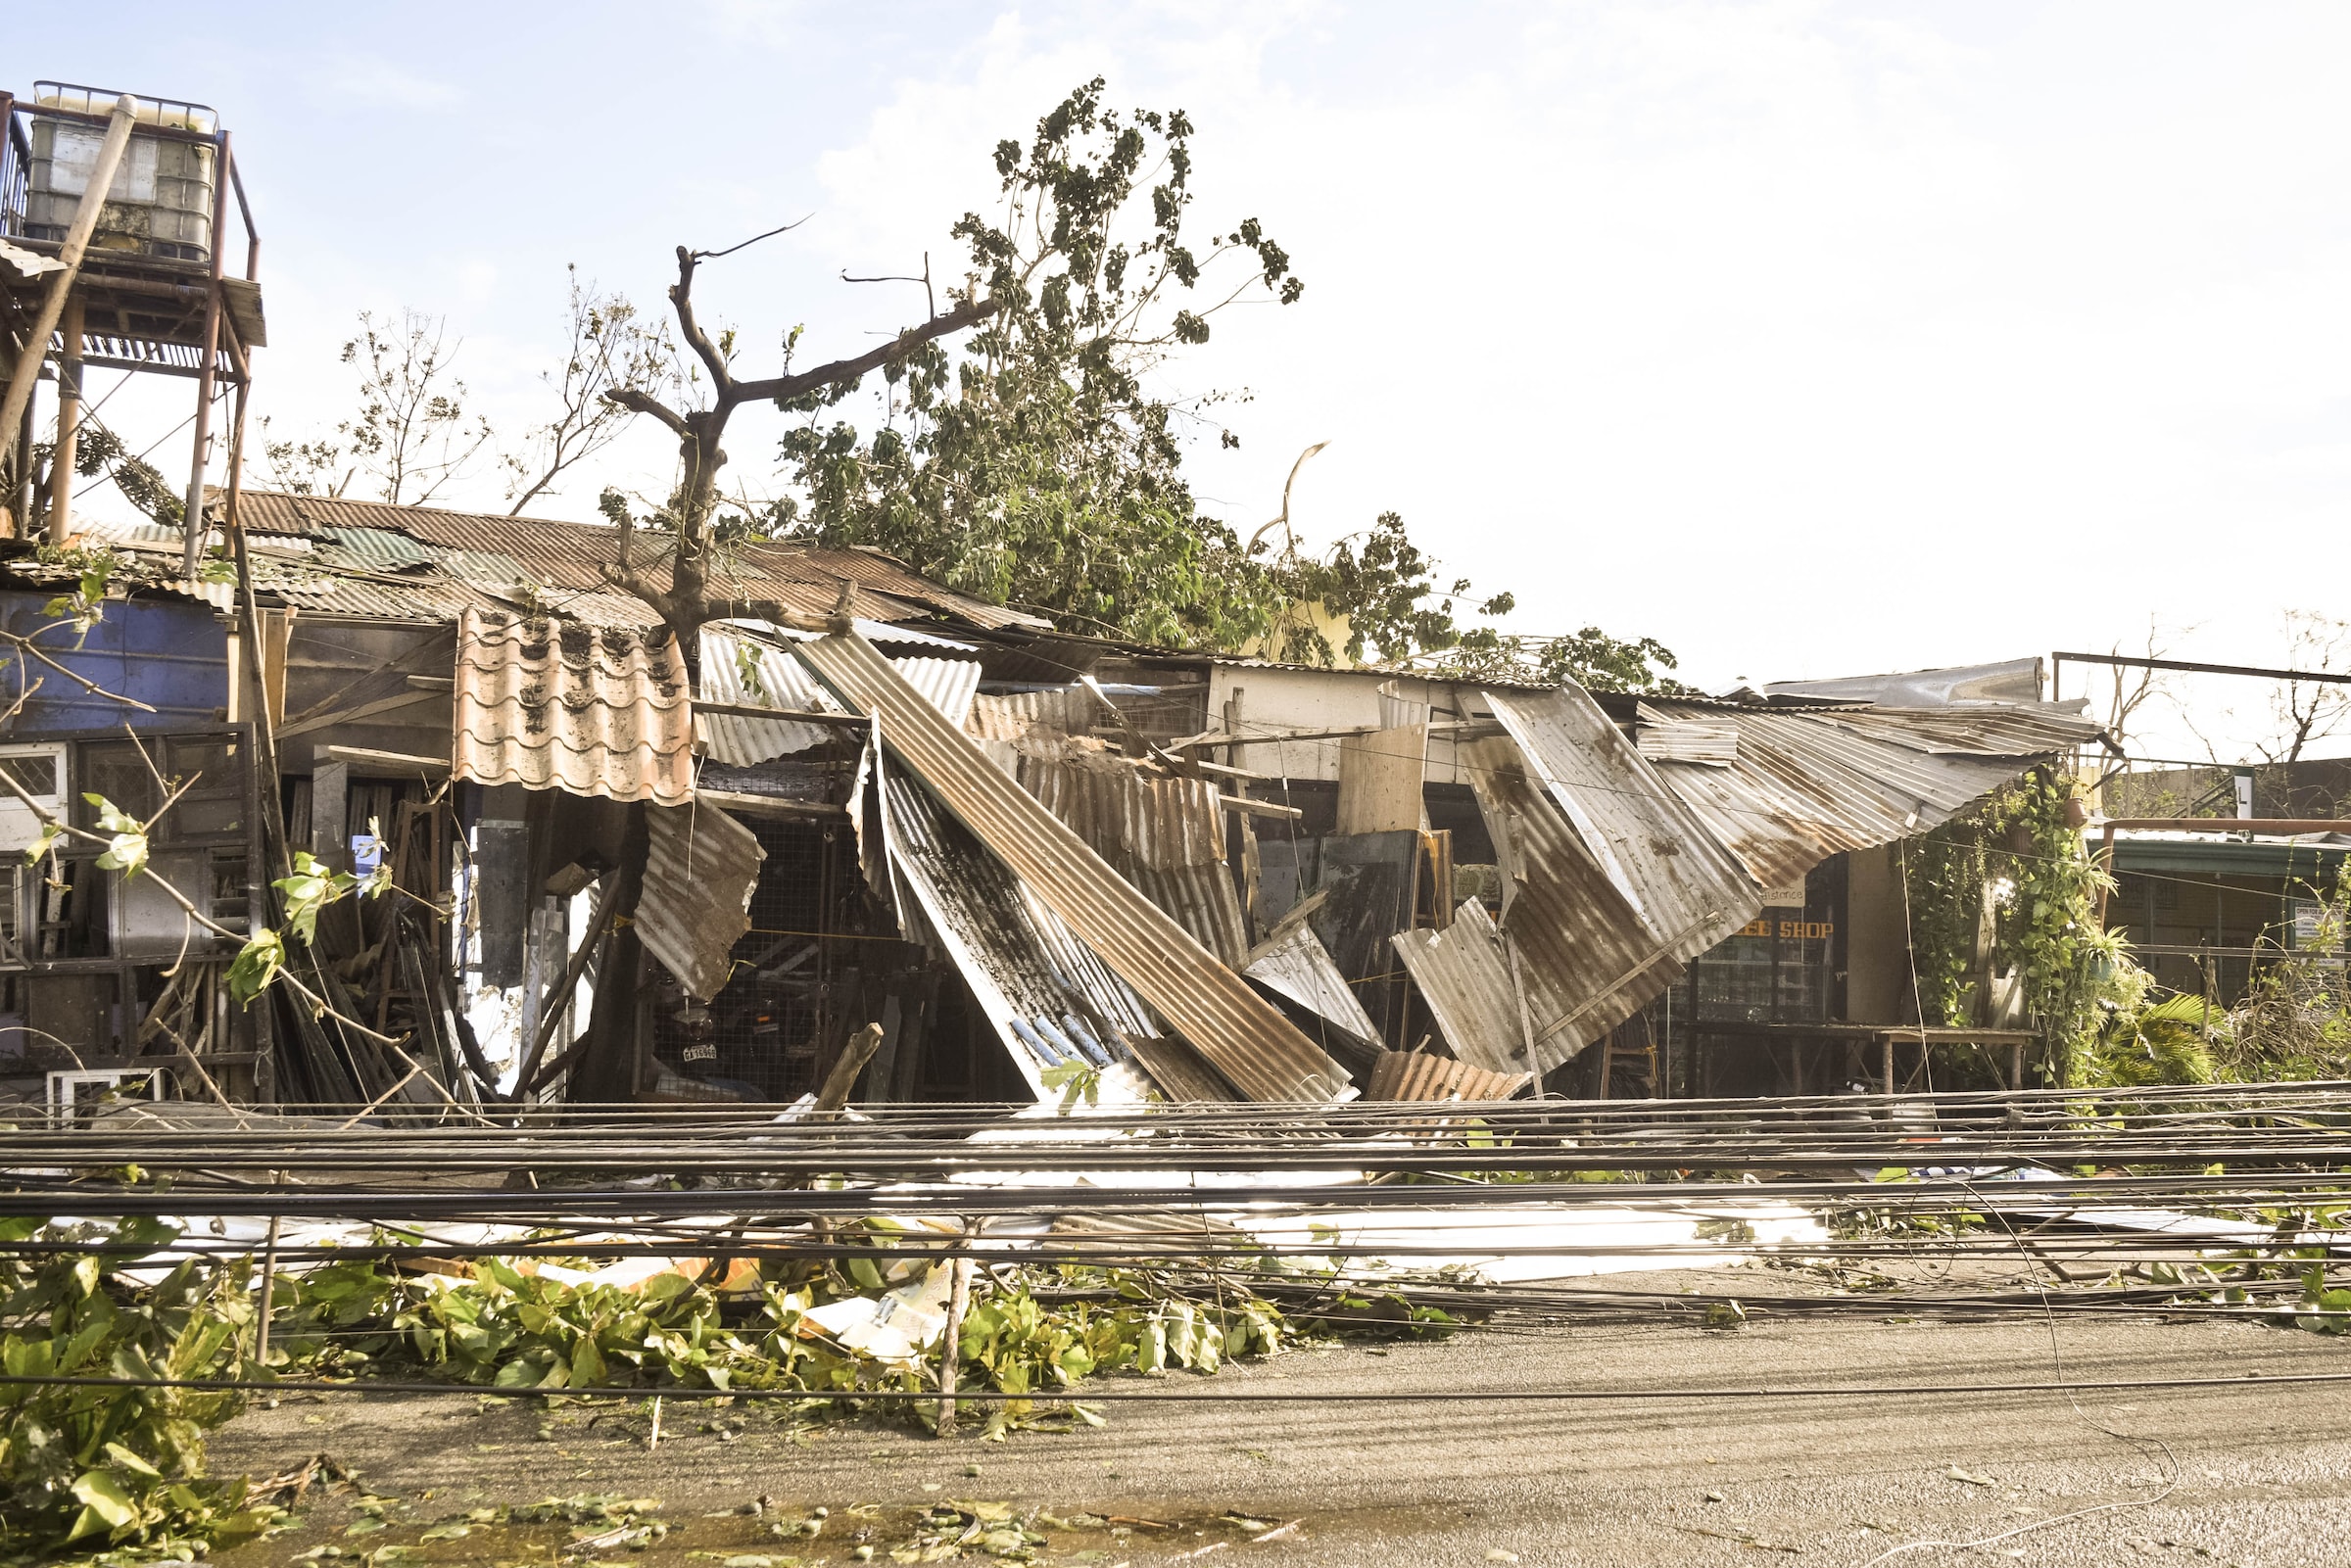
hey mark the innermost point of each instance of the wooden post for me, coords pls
(69, 425)
(950, 1348)
(1889, 1038)
(261, 1335)
(77, 243)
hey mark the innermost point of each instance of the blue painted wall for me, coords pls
(171, 655)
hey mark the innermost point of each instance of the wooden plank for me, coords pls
(352, 715)
(769, 805)
(1242, 806)
(1379, 781)
(398, 762)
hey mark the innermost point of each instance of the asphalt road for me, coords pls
(2249, 1474)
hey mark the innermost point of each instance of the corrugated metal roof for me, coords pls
(556, 705)
(1463, 975)
(2012, 682)
(1687, 887)
(1049, 999)
(372, 547)
(700, 868)
(748, 671)
(1982, 732)
(1297, 966)
(571, 555)
(1806, 786)
(1240, 1032)
(743, 666)
(948, 685)
(1417, 1076)
(1165, 836)
(1708, 742)
(1586, 960)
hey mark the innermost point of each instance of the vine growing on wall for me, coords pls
(2022, 852)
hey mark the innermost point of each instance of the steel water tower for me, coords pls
(113, 220)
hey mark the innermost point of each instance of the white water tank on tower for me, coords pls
(160, 204)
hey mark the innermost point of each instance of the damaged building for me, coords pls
(1033, 860)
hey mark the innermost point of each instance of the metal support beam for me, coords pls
(192, 518)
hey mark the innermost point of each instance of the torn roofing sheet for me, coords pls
(1808, 784)
(745, 665)
(1419, 1076)
(558, 705)
(699, 870)
(1463, 974)
(1712, 743)
(1244, 1035)
(1688, 890)
(1586, 960)
(1295, 965)
(741, 669)
(1051, 1001)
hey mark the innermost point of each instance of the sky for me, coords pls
(1810, 339)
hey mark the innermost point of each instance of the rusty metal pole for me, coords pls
(77, 244)
(69, 426)
(192, 519)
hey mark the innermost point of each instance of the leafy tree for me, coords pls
(1036, 468)
(1591, 657)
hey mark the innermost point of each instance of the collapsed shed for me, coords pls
(1036, 863)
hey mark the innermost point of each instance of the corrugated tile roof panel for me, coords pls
(556, 705)
(1417, 1076)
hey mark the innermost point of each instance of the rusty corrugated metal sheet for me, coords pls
(1586, 960)
(1806, 786)
(1712, 743)
(1240, 1032)
(949, 685)
(1297, 966)
(1012, 716)
(569, 555)
(1966, 732)
(701, 867)
(1049, 1000)
(1166, 836)
(1687, 888)
(742, 668)
(1463, 975)
(1417, 1076)
(557, 705)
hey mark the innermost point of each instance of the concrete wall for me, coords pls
(1330, 699)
